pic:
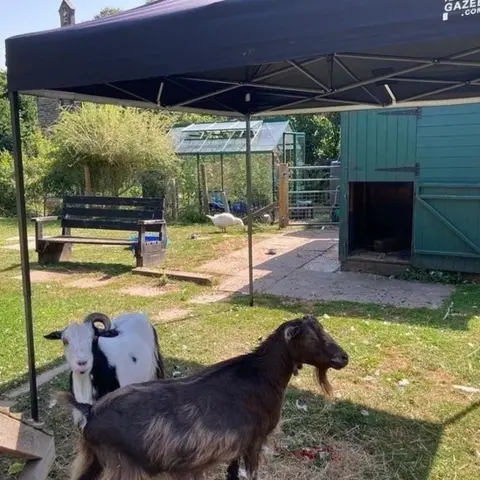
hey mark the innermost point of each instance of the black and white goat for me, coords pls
(125, 351)
(221, 414)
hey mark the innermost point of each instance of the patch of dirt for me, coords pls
(395, 361)
(336, 460)
(440, 377)
(92, 282)
(14, 240)
(171, 315)
(149, 291)
(16, 246)
(46, 276)
(210, 298)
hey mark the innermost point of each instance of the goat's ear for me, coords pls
(55, 335)
(292, 332)
(107, 333)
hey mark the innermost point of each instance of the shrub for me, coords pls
(7, 185)
(115, 143)
(36, 168)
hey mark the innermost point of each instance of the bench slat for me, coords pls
(106, 225)
(119, 201)
(89, 240)
(110, 213)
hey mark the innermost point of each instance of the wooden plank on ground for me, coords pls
(195, 277)
(39, 469)
(18, 438)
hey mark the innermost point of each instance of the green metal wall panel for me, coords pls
(447, 204)
(380, 143)
(448, 146)
(445, 142)
(446, 227)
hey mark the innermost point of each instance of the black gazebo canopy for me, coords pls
(291, 56)
(250, 57)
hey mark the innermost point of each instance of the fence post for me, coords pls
(88, 180)
(283, 174)
(204, 189)
(226, 206)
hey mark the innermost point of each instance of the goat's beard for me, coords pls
(321, 377)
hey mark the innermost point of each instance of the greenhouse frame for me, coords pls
(220, 141)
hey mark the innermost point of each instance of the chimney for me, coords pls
(67, 13)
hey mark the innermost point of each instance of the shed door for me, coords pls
(446, 227)
(381, 146)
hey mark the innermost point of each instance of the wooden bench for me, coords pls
(141, 215)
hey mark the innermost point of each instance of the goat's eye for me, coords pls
(65, 341)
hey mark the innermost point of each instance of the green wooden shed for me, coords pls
(411, 189)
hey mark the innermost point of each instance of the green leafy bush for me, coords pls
(36, 168)
(116, 144)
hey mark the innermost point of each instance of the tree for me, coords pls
(28, 119)
(322, 135)
(108, 12)
(116, 144)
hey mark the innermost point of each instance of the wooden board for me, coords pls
(261, 211)
(199, 278)
(101, 224)
(119, 201)
(112, 213)
(283, 214)
(20, 439)
(88, 241)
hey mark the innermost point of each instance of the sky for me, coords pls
(25, 16)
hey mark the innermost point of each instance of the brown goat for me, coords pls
(220, 415)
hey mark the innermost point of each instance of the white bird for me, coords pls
(224, 220)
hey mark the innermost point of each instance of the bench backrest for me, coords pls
(110, 213)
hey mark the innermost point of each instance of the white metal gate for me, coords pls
(314, 194)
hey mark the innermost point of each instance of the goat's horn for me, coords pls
(98, 317)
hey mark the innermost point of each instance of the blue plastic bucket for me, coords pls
(148, 238)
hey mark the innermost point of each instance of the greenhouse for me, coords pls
(214, 162)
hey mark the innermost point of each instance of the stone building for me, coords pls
(48, 108)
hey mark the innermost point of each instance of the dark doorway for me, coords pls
(381, 219)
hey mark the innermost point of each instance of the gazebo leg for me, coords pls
(22, 227)
(249, 200)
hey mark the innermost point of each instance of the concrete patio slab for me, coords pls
(306, 267)
(358, 287)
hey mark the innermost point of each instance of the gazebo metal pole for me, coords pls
(273, 183)
(249, 202)
(22, 227)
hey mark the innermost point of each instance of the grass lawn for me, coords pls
(60, 295)
(375, 428)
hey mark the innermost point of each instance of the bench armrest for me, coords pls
(151, 222)
(45, 219)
